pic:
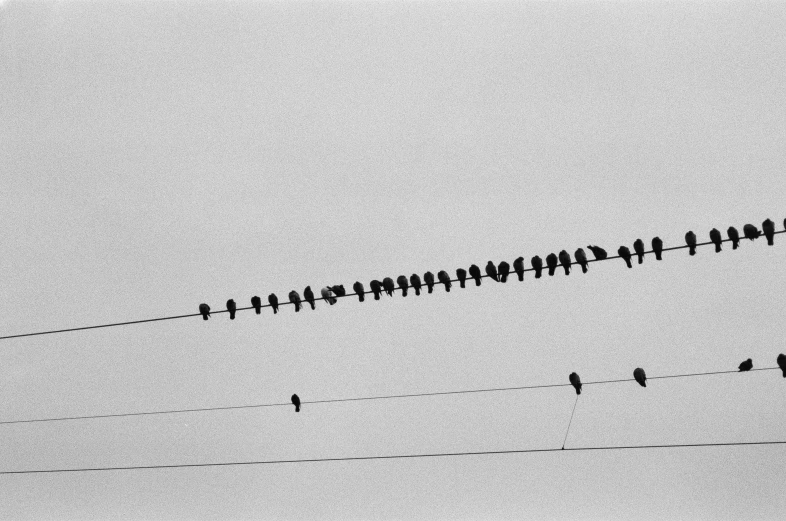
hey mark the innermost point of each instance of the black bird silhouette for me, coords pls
(747, 365)
(328, 295)
(638, 247)
(296, 402)
(294, 298)
(598, 252)
(376, 288)
(751, 232)
(272, 299)
(782, 363)
(715, 237)
(551, 262)
(444, 278)
(769, 231)
(564, 259)
(403, 284)
(491, 271)
(575, 381)
(461, 273)
(537, 265)
(518, 267)
(657, 247)
(257, 303)
(428, 277)
(581, 259)
(504, 271)
(360, 290)
(734, 235)
(640, 377)
(387, 283)
(474, 272)
(690, 240)
(205, 310)
(339, 290)
(309, 296)
(232, 308)
(416, 284)
(624, 252)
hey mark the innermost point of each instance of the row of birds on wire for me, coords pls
(499, 273)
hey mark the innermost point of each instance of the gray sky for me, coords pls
(159, 155)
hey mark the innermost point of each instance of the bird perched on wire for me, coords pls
(640, 377)
(232, 308)
(598, 252)
(444, 278)
(690, 240)
(747, 365)
(491, 271)
(461, 273)
(537, 265)
(782, 361)
(294, 298)
(551, 262)
(504, 271)
(581, 259)
(638, 247)
(564, 259)
(387, 284)
(308, 294)
(428, 277)
(403, 284)
(624, 252)
(715, 237)
(416, 284)
(575, 381)
(272, 299)
(376, 288)
(339, 290)
(328, 295)
(657, 247)
(751, 232)
(768, 227)
(204, 309)
(296, 402)
(518, 267)
(734, 235)
(474, 272)
(360, 290)
(257, 303)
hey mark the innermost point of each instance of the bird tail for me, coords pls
(403, 292)
(477, 281)
(204, 317)
(735, 245)
(376, 296)
(641, 259)
(503, 278)
(521, 276)
(275, 310)
(231, 315)
(551, 272)
(567, 270)
(584, 268)
(259, 311)
(718, 248)
(462, 283)
(297, 408)
(417, 292)
(627, 261)
(693, 250)
(361, 297)
(770, 240)
(312, 306)
(658, 256)
(538, 274)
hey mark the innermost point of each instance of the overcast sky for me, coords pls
(154, 156)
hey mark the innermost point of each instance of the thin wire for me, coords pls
(397, 456)
(386, 397)
(571, 421)
(303, 303)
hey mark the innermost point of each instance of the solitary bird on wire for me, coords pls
(715, 237)
(296, 402)
(461, 273)
(474, 272)
(537, 265)
(205, 310)
(491, 271)
(747, 365)
(328, 295)
(575, 381)
(387, 283)
(504, 271)
(769, 231)
(403, 284)
(232, 308)
(429, 278)
(376, 288)
(294, 298)
(690, 240)
(782, 363)
(308, 294)
(564, 259)
(518, 267)
(551, 262)
(657, 247)
(638, 247)
(581, 259)
(598, 252)
(624, 252)
(640, 377)
(444, 278)
(734, 235)
(339, 290)
(360, 290)
(272, 299)
(416, 284)
(751, 232)
(257, 303)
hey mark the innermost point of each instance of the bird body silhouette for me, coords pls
(461, 274)
(768, 227)
(551, 262)
(690, 240)
(624, 252)
(504, 271)
(575, 381)
(416, 284)
(751, 232)
(339, 290)
(403, 284)
(747, 365)
(782, 362)
(257, 303)
(328, 295)
(537, 265)
(734, 235)
(518, 267)
(360, 290)
(376, 288)
(387, 283)
(273, 301)
(474, 272)
(581, 259)
(232, 308)
(638, 247)
(657, 247)
(294, 298)
(444, 278)
(429, 278)
(715, 237)
(204, 309)
(296, 402)
(491, 271)
(598, 252)
(564, 259)
(308, 294)
(640, 377)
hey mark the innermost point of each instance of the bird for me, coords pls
(690, 240)
(205, 310)
(360, 290)
(387, 284)
(751, 232)
(491, 271)
(295, 299)
(624, 252)
(474, 272)
(564, 259)
(734, 235)
(376, 288)
(328, 295)
(715, 237)
(581, 259)
(640, 377)
(598, 252)
(257, 303)
(747, 365)
(504, 271)
(657, 247)
(638, 247)
(518, 267)
(461, 273)
(339, 290)
(273, 301)
(537, 265)
(782, 362)
(428, 277)
(769, 231)
(232, 308)
(296, 402)
(415, 281)
(575, 381)
(403, 284)
(308, 294)
(444, 278)
(551, 262)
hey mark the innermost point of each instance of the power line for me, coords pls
(357, 399)
(400, 456)
(282, 303)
